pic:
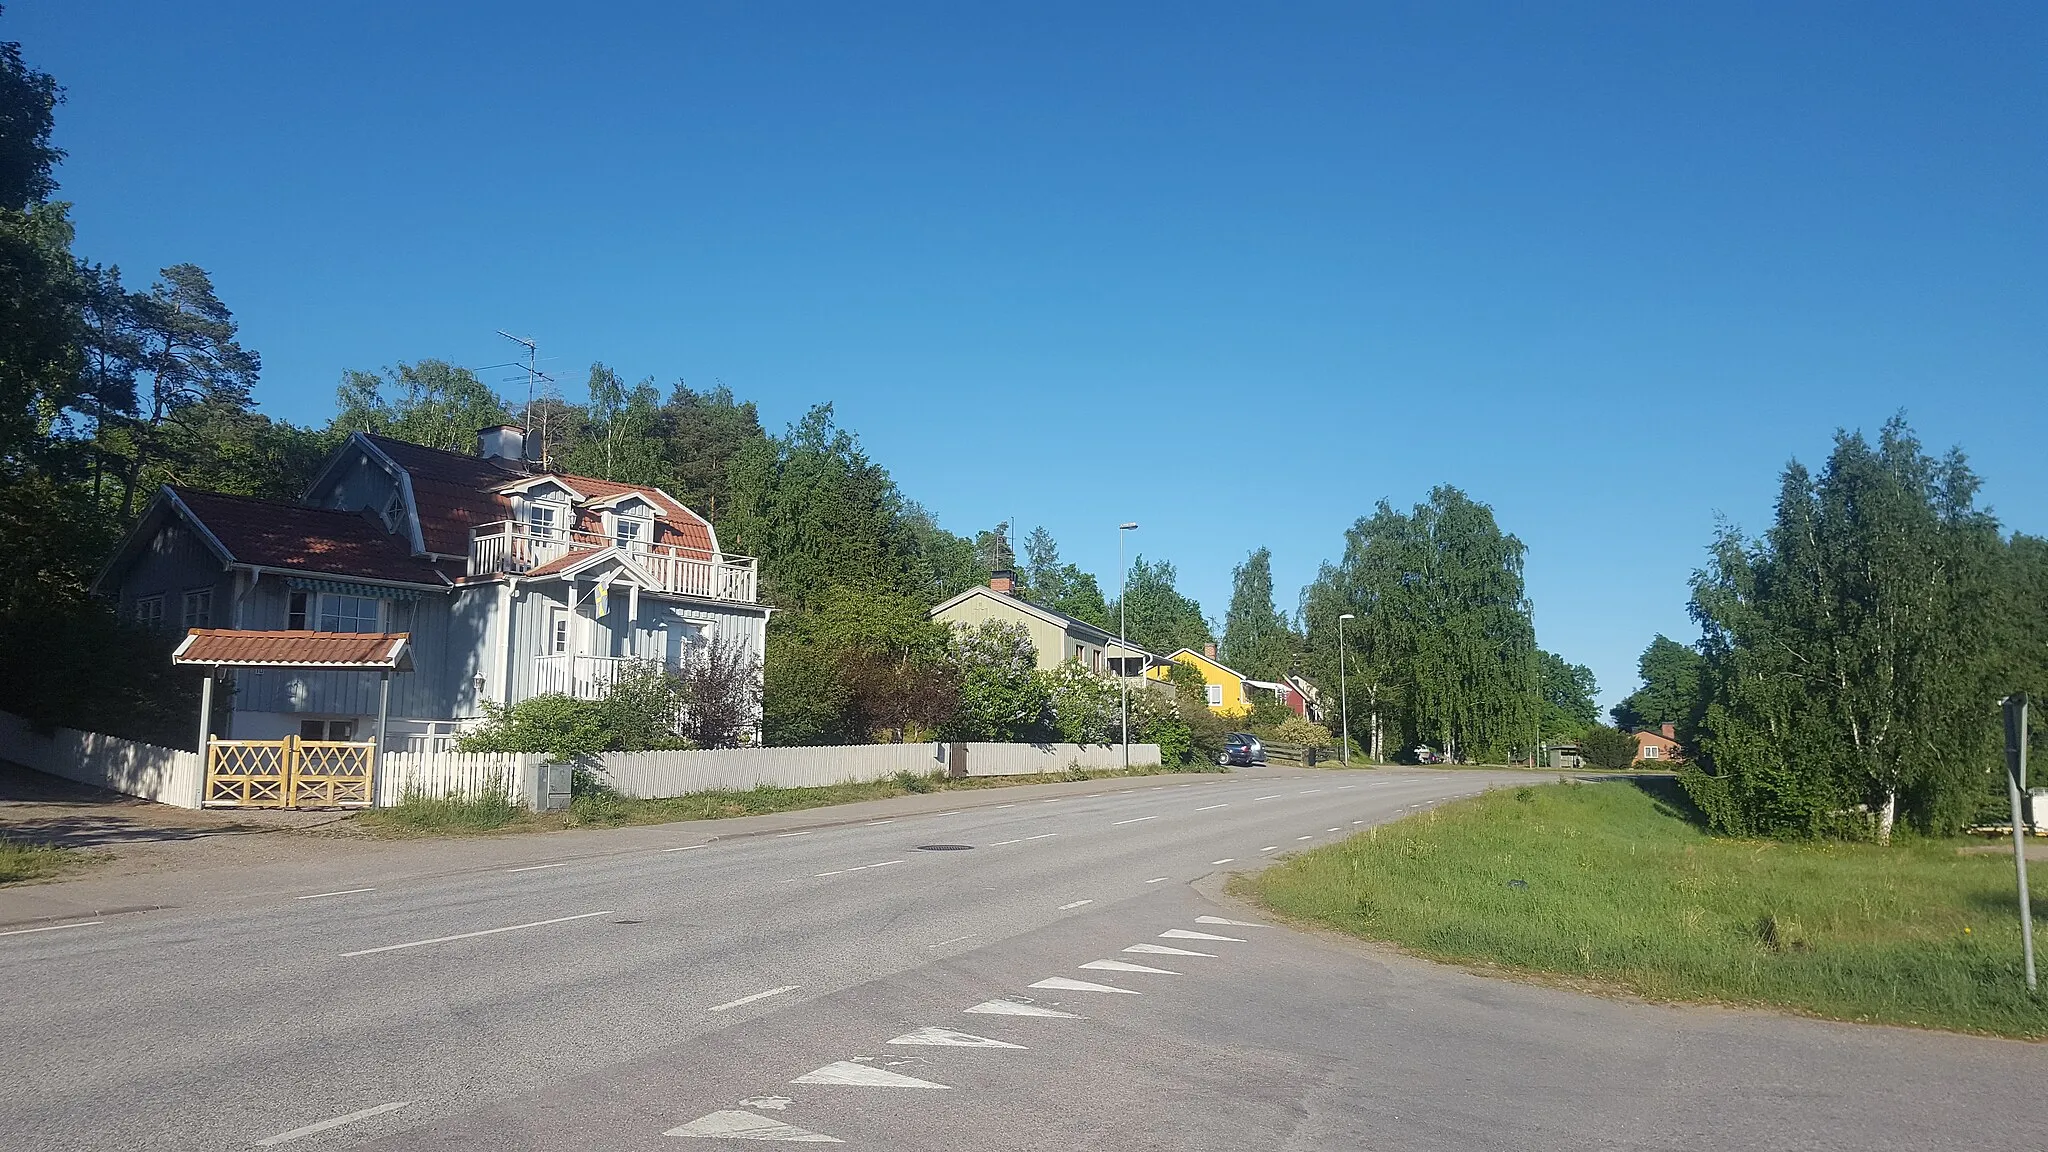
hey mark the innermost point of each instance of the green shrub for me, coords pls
(1605, 747)
(913, 782)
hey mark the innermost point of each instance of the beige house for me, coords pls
(1057, 636)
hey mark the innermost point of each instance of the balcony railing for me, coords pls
(584, 677)
(514, 548)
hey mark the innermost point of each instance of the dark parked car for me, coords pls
(1242, 750)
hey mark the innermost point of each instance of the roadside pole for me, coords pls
(2015, 787)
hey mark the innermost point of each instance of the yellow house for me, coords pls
(1226, 684)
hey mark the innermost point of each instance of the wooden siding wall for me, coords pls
(174, 562)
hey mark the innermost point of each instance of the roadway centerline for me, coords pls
(1274, 796)
(473, 935)
(53, 927)
(325, 1125)
(754, 997)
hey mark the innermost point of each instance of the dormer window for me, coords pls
(630, 532)
(543, 518)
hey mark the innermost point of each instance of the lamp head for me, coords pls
(1127, 527)
(1347, 616)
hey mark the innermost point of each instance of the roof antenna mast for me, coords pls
(534, 376)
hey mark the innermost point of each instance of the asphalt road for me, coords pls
(864, 984)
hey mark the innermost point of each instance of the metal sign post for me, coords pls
(2016, 786)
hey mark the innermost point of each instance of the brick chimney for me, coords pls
(1004, 581)
(1209, 649)
(1669, 730)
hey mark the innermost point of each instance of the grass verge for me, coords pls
(20, 861)
(1614, 885)
(445, 816)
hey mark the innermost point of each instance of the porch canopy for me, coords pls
(216, 649)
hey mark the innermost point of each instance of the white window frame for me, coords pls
(1652, 752)
(305, 607)
(642, 532)
(382, 610)
(546, 519)
(560, 637)
(149, 611)
(1214, 694)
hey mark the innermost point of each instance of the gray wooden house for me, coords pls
(510, 579)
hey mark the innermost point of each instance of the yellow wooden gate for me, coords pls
(288, 773)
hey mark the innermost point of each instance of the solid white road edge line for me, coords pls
(337, 1122)
(538, 867)
(343, 892)
(787, 835)
(754, 997)
(472, 935)
(954, 940)
(688, 847)
(53, 927)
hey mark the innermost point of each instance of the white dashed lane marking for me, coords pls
(754, 997)
(320, 895)
(473, 935)
(1074, 905)
(1225, 860)
(538, 867)
(325, 1125)
(1212, 806)
(1132, 820)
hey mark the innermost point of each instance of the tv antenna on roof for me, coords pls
(534, 378)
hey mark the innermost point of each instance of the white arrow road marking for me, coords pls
(735, 1125)
(862, 1076)
(1184, 934)
(947, 1038)
(1013, 1008)
(1232, 923)
(1163, 950)
(1125, 966)
(1062, 984)
(324, 1125)
(754, 997)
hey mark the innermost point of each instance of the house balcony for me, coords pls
(509, 547)
(584, 677)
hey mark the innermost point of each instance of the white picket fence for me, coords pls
(165, 775)
(656, 774)
(1029, 759)
(469, 775)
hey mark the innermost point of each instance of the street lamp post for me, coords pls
(1123, 656)
(1343, 694)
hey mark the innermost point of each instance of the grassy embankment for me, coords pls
(19, 861)
(439, 816)
(1614, 885)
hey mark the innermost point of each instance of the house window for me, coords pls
(543, 518)
(1214, 693)
(631, 533)
(348, 613)
(556, 642)
(394, 507)
(199, 608)
(337, 731)
(1652, 752)
(295, 617)
(149, 611)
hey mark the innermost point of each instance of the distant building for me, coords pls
(1659, 746)
(1057, 636)
(1227, 691)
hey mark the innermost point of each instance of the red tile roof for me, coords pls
(242, 649)
(310, 540)
(456, 492)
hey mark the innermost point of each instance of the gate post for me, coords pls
(205, 733)
(288, 768)
(377, 752)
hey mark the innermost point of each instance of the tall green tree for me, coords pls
(428, 402)
(1157, 615)
(1670, 693)
(1257, 639)
(1853, 653)
(1569, 697)
(620, 434)
(1442, 645)
(1061, 587)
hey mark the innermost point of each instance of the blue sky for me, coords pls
(1236, 272)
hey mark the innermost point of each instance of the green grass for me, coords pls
(21, 861)
(1620, 888)
(422, 816)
